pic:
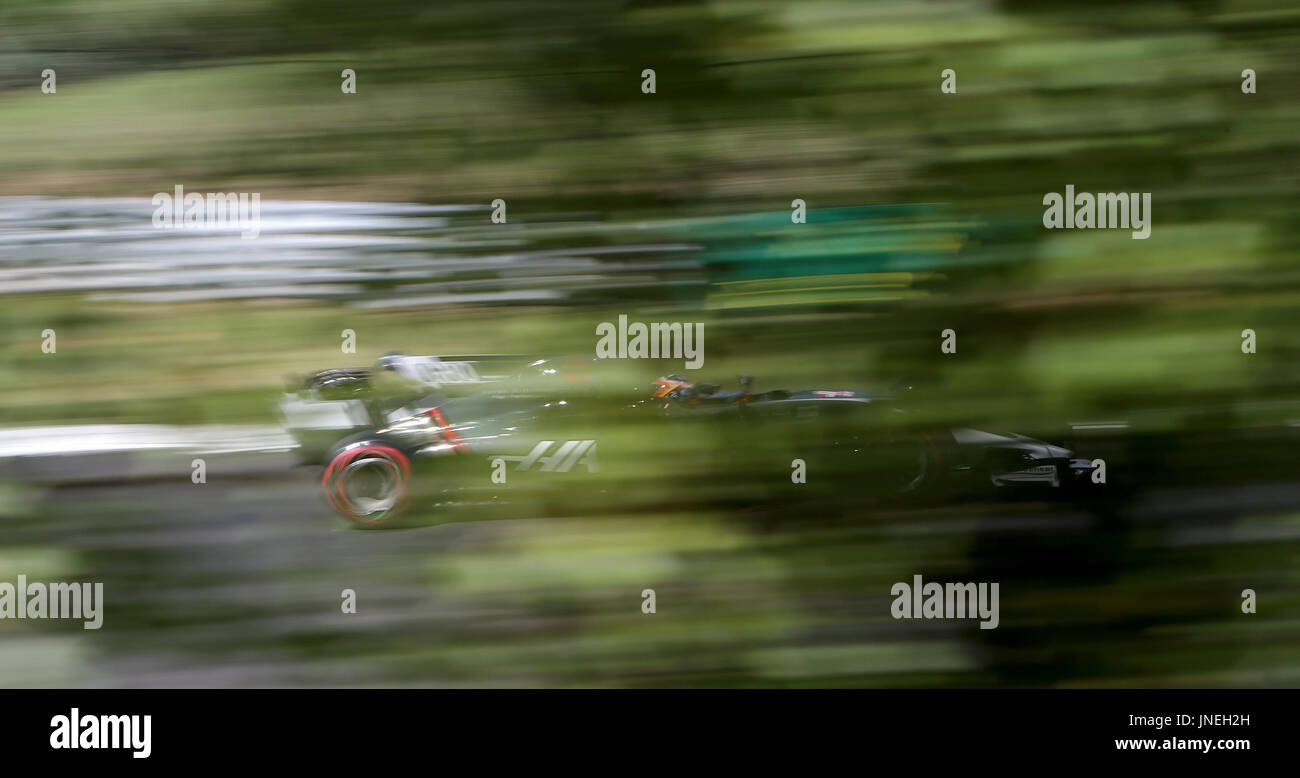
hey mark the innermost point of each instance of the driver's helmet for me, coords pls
(391, 361)
(673, 385)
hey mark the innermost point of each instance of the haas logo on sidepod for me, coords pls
(570, 453)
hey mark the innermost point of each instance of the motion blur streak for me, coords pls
(128, 352)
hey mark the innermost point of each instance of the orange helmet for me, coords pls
(664, 385)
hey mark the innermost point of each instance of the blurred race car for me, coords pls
(473, 423)
(330, 404)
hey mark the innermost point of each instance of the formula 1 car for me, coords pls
(472, 422)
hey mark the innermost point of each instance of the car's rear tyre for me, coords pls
(368, 484)
(903, 470)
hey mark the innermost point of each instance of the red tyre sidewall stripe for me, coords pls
(335, 493)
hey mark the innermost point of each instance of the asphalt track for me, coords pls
(237, 582)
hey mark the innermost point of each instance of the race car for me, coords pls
(330, 404)
(954, 457)
(473, 423)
